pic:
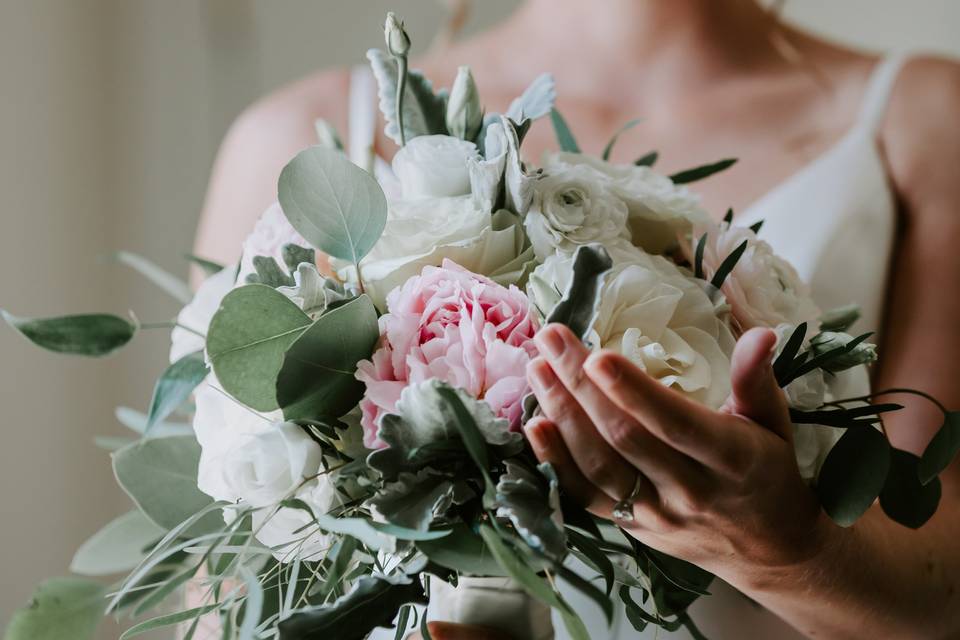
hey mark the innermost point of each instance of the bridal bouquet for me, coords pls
(357, 384)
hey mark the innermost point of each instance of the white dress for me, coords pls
(835, 221)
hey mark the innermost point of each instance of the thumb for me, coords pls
(755, 393)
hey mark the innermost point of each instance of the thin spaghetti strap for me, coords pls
(362, 117)
(879, 88)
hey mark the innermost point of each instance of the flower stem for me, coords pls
(401, 89)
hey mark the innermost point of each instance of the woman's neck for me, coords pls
(689, 40)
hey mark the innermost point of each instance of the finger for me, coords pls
(451, 631)
(599, 463)
(755, 391)
(664, 465)
(548, 446)
(705, 435)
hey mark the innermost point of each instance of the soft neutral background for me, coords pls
(110, 115)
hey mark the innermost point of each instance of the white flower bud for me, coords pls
(464, 113)
(398, 42)
(825, 341)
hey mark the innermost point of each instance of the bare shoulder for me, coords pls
(921, 131)
(263, 138)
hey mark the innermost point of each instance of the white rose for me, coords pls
(194, 318)
(659, 212)
(763, 290)
(266, 468)
(572, 206)
(428, 230)
(288, 531)
(656, 316)
(271, 233)
(434, 166)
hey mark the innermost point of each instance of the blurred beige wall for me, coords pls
(110, 114)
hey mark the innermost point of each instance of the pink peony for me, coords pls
(459, 327)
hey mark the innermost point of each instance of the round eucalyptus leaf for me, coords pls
(117, 547)
(335, 205)
(853, 474)
(61, 609)
(904, 498)
(247, 340)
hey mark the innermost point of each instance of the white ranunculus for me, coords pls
(267, 467)
(194, 318)
(572, 206)
(763, 290)
(271, 233)
(288, 531)
(657, 316)
(428, 230)
(434, 166)
(659, 212)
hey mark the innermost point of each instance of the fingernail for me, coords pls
(550, 342)
(605, 368)
(542, 375)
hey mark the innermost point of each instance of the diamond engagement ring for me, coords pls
(623, 510)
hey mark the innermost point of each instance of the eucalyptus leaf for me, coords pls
(335, 205)
(424, 111)
(160, 475)
(373, 602)
(840, 318)
(703, 171)
(248, 339)
(564, 136)
(903, 497)
(370, 534)
(853, 474)
(91, 334)
(647, 160)
(209, 267)
(727, 266)
(607, 150)
(577, 308)
(60, 609)
(317, 375)
(175, 386)
(176, 287)
(536, 101)
(168, 620)
(594, 555)
(117, 547)
(942, 449)
(518, 569)
(137, 421)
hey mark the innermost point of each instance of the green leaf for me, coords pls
(175, 386)
(60, 609)
(637, 616)
(728, 216)
(942, 449)
(336, 206)
(317, 377)
(596, 557)
(756, 226)
(536, 101)
(338, 561)
(92, 334)
(424, 112)
(117, 547)
(269, 272)
(903, 497)
(176, 287)
(168, 620)
(647, 160)
(463, 551)
(701, 172)
(698, 257)
(137, 421)
(577, 308)
(252, 605)
(728, 264)
(686, 575)
(514, 566)
(208, 266)
(564, 136)
(531, 501)
(842, 417)
(294, 255)
(853, 474)
(247, 340)
(785, 360)
(370, 534)
(414, 500)
(613, 140)
(373, 602)
(160, 475)
(840, 318)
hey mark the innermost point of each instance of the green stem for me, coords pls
(401, 89)
(893, 391)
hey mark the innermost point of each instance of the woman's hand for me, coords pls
(450, 631)
(717, 488)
